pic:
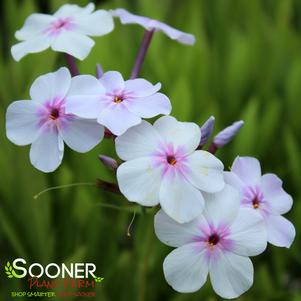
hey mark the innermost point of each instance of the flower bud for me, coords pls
(99, 71)
(108, 162)
(206, 130)
(227, 134)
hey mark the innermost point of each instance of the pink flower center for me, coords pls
(171, 160)
(213, 239)
(118, 99)
(58, 25)
(52, 116)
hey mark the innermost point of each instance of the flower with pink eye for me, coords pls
(44, 123)
(67, 30)
(263, 193)
(163, 166)
(217, 243)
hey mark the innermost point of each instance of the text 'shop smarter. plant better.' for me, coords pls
(215, 219)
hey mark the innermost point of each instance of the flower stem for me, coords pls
(107, 186)
(70, 60)
(148, 34)
(212, 148)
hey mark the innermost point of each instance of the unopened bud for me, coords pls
(227, 134)
(99, 71)
(108, 162)
(206, 130)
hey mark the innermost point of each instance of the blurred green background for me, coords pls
(246, 65)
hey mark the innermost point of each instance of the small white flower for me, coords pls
(68, 31)
(44, 123)
(123, 103)
(164, 167)
(217, 243)
(264, 194)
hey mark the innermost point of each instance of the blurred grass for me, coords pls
(246, 65)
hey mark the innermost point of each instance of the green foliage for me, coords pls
(246, 64)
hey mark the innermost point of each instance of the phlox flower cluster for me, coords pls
(214, 219)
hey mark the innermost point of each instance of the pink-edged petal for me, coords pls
(247, 169)
(34, 24)
(248, 233)
(231, 275)
(118, 119)
(150, 106)
(175, 234)
(46, 152)
(73, 43)
(186, 135)
(205, 171)
(139, 181)
(281, 232)
(279, 201)
(33, 45)
(22, 124)
(179, 199)
(141, 87)
(112, 81)
(186, 268)
(222, 207)
(97, 24)
(139, 141)
(82, 135)
(68, 10)
(51, 86)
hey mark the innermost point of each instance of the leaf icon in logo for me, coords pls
(9, 270)
(98, 279)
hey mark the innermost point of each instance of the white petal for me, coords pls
(179, 199)
(84, 97)
(34, 24)
(231, 275)
(205, 171)
(33, 45)
(51, 86)
(183, 134)
(279, 201)
(112, 81)
(141, 87)
(97, 24)
(247, 169)
(186, 268)
(139, 141)
(73, 43)
(140, 181)
(248, 232)
(150, 106)
(175, 234)
(82, 135)
(22, 123)
(281, 232)
(233, 180)
(118, 119)
(222, 207)
(46, 153)
(68, 10)
(85, 85)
